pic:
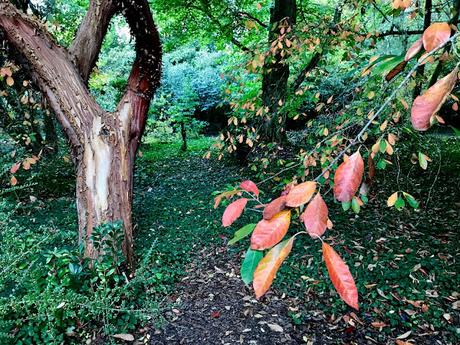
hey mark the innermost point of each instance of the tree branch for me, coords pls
(303, 74)
(88, 41)
(146, 71)
(250, 16)
(51, 69)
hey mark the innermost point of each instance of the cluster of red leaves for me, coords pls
(269, 232)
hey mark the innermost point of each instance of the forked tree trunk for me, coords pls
(103, 144)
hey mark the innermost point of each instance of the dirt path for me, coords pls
(212, 306)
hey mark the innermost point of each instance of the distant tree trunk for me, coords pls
(103, 144)
(183, 133)
(276, 74)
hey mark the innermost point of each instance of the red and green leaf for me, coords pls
(269, 265)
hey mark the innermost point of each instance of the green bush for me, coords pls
(50, 295)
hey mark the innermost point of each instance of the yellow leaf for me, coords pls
(392, 199)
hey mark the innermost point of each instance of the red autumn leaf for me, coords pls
(414, 49)
(233, 211)
(250, 187)
(348, 177)
(435, 35)
(300, 194)
(15, 168)
(427, 105)
(269, 265)
(340, 276)
(274, 207)
(315, 217)
(269, 232)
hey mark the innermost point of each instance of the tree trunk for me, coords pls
(276, 73)
(103, 144)
(183, 133)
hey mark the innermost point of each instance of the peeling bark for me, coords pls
(103, 144)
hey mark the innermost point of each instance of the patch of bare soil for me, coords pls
(213, 306)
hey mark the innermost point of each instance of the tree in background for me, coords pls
(103, 144)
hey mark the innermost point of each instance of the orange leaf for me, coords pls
(428, 104)
(414, 49)
(315, 217)
(9, 81)
(13, 181)
(15, 168)
(269, 232)
(233, 211)
(348, 177)
(435, 35)
(227, 194)
(250, 186)
(392, 199)
(269, 265)
(401, 4)
(300, 194)
(340, 276)
(274, 207)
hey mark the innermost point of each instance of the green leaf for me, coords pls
(411, 200)
(242, 233)
(422, 161)
(346, 205)
(381, 164)
(364, 198)
(355, 205)
(387, 65)
(250, 262)
(399, 204)
(382, 146)
(456, 131)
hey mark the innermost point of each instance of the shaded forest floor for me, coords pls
(405, 263)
